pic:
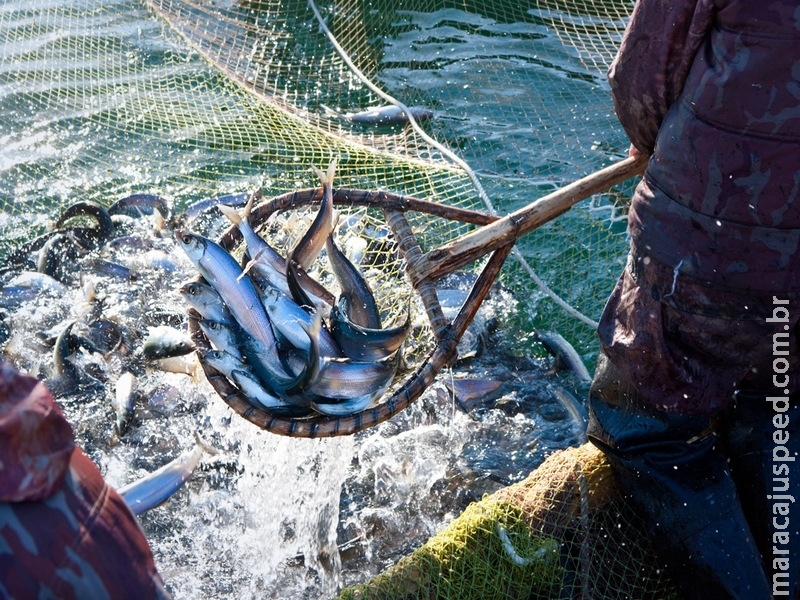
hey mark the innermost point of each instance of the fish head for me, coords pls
(213, 355)
(192, 244)
(190, 289)
(210, 325)
(218, 359)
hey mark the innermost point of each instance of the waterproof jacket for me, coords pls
(64, 533)
(712, 89)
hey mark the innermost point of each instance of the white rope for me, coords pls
(452, 157)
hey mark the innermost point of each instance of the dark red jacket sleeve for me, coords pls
(648, 74)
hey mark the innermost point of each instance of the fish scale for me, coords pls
(238, 292)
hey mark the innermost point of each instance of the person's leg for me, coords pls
(673, 353)
(674, 473)
(763, 445)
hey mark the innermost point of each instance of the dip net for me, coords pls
(196, 100)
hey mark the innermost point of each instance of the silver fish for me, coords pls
(164, 341)
(342, 408)
(266, 362)
(225, 362)
(265, 262)
(576, 411)
(123, 402)
(365, 344)
(27, 286)
(88, 237)
(205, 300)
(154, 489)
(256, 245)
(222, 336)
(299, 283)
(389, 115)
(64, 347)
(313, 293)
(188, 364)
(360, 305)
(343, 378)
(105, 335)
(105, 268)
(292, 322)
(565, 354)
(140, 204)
(309, 246)
(198, 208)
(222, 273)
(252, 388)
(264, 273)
(58, 256)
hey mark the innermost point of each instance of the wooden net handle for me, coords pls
(468, 248)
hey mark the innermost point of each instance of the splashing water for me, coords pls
(270, 516)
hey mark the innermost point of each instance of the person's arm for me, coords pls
(648, 74)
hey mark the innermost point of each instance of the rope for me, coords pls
(458, 161)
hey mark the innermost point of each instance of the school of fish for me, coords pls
(287, 343)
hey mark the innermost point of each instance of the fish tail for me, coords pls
(331, 172)
(204, 445)
(231, 213)
(248, 208)
(326, 179)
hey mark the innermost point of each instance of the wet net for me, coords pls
(196, 100)
(563, 532)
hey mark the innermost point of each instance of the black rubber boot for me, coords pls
(676, 476)
(768, 480)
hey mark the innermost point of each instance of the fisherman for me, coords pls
(696, 394)
(64, 533)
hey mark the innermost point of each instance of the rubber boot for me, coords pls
(768, 480)
(675, 475)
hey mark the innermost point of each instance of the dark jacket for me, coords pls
(712, 89)
(64, 533)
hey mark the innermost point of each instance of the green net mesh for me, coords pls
(195, 99)
(564, 532)
(189, 100)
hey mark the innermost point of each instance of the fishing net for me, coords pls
(196, 100)
(564, 532)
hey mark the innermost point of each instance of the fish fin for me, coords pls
(313, 362)
(322, 177)
(248, 208)
(159, 223)
(231, 213)
(251, 263)
(331, 171)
